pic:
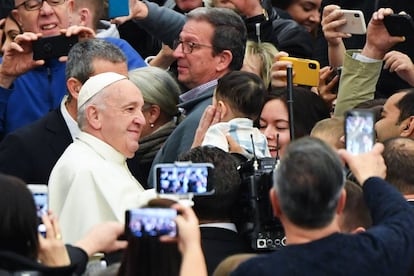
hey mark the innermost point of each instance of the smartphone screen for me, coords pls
(359, 131)
(194, 178)
(151, 222)
(40, 196)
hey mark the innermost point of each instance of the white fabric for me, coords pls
(70, 122)
(90, 184)
(240, 130)
(95, 84)
(107, 29)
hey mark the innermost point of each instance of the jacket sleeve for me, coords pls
(357, 83)
(163, 23)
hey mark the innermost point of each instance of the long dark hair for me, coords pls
(18, 220)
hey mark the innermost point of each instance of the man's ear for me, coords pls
(225, 58)
(274, 199)
(408, 127)
(341, 202)
(85, 17)
(93, 117)
(16, 16)
(74, 87)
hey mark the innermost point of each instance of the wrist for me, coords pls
(5, 80)
(373, 52)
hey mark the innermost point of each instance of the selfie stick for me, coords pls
(290, 100)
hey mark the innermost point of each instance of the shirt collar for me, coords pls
(70, 122)
(196, 91)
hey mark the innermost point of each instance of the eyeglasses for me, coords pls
(188, 47)
(32, 5)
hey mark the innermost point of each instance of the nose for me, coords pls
(46, 9)
(178, 52)
(269, 133)
(140, 119)
(315, 16)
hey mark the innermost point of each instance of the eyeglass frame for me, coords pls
(25, 3)
(190, 45)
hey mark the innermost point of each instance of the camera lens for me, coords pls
(312, 65)
(47, 47)
(356, 14)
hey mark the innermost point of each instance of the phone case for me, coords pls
(117, 8)
(399, 24)
(306, 71)
(355, 22)
(53, 46)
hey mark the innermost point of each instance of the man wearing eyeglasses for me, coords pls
(209, 42)
(29, 89)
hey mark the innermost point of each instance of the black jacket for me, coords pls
(286, 34)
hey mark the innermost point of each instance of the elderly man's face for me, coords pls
(121, 119)
(48, 20)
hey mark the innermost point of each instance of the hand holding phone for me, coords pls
(355, 22)
(118, 8)
(306, 71)
(359, 130)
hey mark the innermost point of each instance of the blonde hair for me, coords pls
(265, 51)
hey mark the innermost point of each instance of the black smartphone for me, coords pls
(184, 178)
(150, 222)
(335, 72)
(40, 196)
(359, 130)
(399, 24)
(53, 46)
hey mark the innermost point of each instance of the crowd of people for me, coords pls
(204, 82)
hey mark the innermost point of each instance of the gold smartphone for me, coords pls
(306, 71)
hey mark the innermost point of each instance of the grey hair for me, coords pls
(157, 87)
(82, 54)
(309, 182)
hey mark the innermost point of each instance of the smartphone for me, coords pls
(184, 178)
(306, 71)
(355, 22)
(117, 8)
(150, 222)
(335, 72)
(399, 24)
(53, 46)
(40, 196)
(359, 130)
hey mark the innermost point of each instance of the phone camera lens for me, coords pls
(356, 14)
(312, 65)
(47, 47)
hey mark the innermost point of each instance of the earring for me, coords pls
(152, 125)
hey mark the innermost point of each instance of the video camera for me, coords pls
(256, 221)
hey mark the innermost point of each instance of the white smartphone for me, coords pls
(355, 22)
(40, 196)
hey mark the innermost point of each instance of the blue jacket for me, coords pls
(41, 90)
